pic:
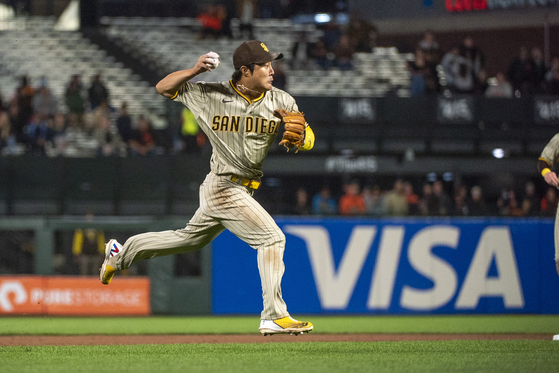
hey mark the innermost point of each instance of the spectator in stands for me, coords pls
(373, 199)
(247, 11)
(301, 53)
(321, 55)
(5, 131)
(88, 248)
(331, 34)
(427, 203)
(476, 204)
(513, 208)
(74, 99)
(422, 78)
(552, 77)
(16, 125)
(448, 62)
(442, 200)
(59, 134)
(430, 48)
(97, 92)
(108, 139)
(280, 79)
(539, 70)
(74, 135)
(143, 142)
(225, 13)
(343, 52)
(520, 73)
(351, 203)
(101, 112)
(412, 199)
(502, 88)
(508, 205)
(474, 56)
(192, 139)
(210, 22)
(124, 123)
(301, 203)
(361, 33)
(395, 203)
(463, 76)
(530, 202)
(538, 75)
(460, 207)
(24, 98)
(37, 133)
(549, 203)
(44, 101)
(481, 84)
(323, 203)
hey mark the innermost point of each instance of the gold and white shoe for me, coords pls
(285, 325)
(108, 269)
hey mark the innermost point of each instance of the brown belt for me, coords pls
(251, 184)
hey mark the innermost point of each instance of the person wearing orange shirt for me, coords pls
(351, 203)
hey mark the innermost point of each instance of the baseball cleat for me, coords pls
(108, 269)
(286, 325)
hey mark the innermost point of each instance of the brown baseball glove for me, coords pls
(294, 124)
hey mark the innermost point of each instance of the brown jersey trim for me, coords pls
(545, 160)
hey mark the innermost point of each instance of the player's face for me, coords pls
(262, 77)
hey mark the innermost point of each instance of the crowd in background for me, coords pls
(459, 70)
(432, 200)
(464, 71)
(85, 124)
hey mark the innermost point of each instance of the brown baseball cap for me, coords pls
(253, 51)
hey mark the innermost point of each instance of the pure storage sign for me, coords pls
(42, 295)
(399, 267)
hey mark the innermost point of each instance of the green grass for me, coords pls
(454, 356)
(249, 325)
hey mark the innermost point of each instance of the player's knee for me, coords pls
(280, 238)
(276, 242)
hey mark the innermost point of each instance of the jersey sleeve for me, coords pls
(191, 95)
(550, 153)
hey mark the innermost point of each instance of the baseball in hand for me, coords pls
(215, 60)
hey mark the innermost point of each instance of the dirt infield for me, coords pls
(75, 340)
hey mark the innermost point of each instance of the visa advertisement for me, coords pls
(398, 266)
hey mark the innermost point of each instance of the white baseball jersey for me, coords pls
(239, 130)
(550, 153)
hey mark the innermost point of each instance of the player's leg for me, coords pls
(199, 231)
(556, 231)
(236, 209)
(247, 219)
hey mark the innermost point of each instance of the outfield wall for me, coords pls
(407, 266)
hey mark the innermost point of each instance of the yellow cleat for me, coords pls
(285, 325)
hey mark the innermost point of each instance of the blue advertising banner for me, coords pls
(398, 266)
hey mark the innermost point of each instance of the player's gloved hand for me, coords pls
(294, 125)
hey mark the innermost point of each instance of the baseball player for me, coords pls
(548, 159)
(241, 118)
